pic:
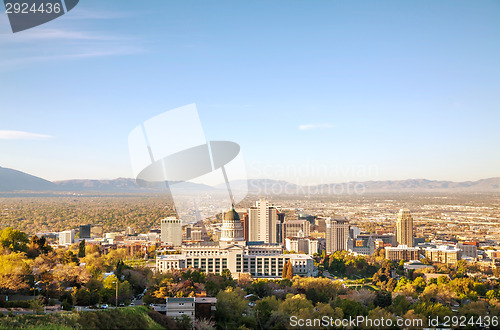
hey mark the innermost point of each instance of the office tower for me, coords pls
(320, 224)
(66, 237)
(196, 233)
(85, 231)
(262, 222)
(337, 234)
(291, 228)
(280, 238)
(171, 231)
(404, 228)
(186, 232)
(244, 223)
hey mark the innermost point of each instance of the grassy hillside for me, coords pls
(121, 318)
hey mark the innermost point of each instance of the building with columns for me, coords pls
(259, 259)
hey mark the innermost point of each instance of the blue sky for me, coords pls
(313, 91)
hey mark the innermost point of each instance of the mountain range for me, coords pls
(14, 181)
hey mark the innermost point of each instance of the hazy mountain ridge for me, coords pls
(13, 180)
(409, 185)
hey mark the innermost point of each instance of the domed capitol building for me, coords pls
(259, 259)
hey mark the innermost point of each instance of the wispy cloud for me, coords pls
(44, 34)
(10, 64)
(307, 127)
(22, 135)
(63, 42)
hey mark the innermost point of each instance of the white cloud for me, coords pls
(21, 135)
(307, 127)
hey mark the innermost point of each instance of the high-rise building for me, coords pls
(337, 234)
(262, 222)
(280, 223)
(196, 234)
(171, 231)
(404, 228)
(67, 237)
(291, 228)
(244, 223)
(85, 231)
(320, 225)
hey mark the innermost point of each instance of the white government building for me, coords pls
(260, 260)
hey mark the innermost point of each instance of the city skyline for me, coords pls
(329, 93)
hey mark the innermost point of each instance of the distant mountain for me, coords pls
(12, 180)
(123, 185)
(411, 185)
(116, 185)
(423, 185)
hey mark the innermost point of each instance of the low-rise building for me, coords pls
(468, 250)
(402, 252)
(444, 254)
(415, 264)
(67, 237)
(307, 245)
(177, 307)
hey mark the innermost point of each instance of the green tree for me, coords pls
(294, 304)
(317, 289)
(400, 305)
(69, 257)
(474, 309)
(432, 310)
(110, 282)
(14, 240)
(37, 246)
(264, 309)
(14, 272)
(183, 323)
(383, 299)
(81, 249)
(352, 308)
(419, 284)
(231, 305)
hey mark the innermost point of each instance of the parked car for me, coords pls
(104, 306)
